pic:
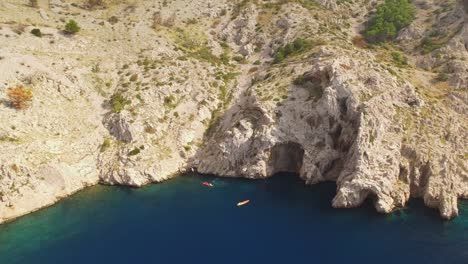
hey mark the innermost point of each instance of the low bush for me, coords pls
(134, 152)
(19, 97)
(360, 42)
(36, 32)
(134, 77)
(300, 80)
(442, 77)
(429, 44)
(118, 102)
(92, 4)
(240, 59)
(204, 53)
(298, 46)
(105, 145)
(33, 3)
(72, 27)
(399, 59)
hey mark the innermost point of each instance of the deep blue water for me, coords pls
(182, 221)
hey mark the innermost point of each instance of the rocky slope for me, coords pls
(149, 89)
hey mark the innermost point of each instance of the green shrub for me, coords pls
(390, 18)
(134, 152)
(399, 59)
(36, 32)
(204, 53)
(72, 27)
(105, 144)
(442, 77)
(224, 58)
(298, 46)
(279, 56)
(429, 44)
(134, 77)
(240, 59)
(300, 80)
(170, 102)
(224, 45)
(118, 102)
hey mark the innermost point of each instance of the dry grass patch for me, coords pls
(19, 97)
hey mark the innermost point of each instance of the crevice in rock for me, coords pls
(343, 107)
(335, 135)
(118, 127)
(425, 174)
(316, 82)
(403, 174)
(332, 170)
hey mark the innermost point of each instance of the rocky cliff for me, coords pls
(150, 89)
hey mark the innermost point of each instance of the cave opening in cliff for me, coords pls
(286, 157)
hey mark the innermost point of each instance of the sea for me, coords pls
(184, 221)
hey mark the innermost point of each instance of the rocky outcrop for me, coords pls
(50, 154)
(342, 126)
(442, 45)
(241, 31)
(134, 102)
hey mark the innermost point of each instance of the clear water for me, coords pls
(182, 221)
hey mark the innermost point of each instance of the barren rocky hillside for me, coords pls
(147, 90)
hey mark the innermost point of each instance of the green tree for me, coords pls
(390, 18)
(72, 27)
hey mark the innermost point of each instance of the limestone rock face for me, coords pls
(137, 98)
(73, 134)
(241, 31)
(342, 125)
(329, 3)
(50, 154)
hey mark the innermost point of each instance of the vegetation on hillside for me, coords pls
(19, 97)
(91, 4)
(435, 40)
(33, 3)
(118, 102)
(72, 27)
(297, 47)
(105, 145)
(399, 59)
(390, 18)
(36, 32)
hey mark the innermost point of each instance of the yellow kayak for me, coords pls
(243, 203)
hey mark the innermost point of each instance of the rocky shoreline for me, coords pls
(128, 102)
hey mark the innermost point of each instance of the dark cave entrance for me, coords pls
(286, 157)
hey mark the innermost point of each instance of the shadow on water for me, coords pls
(288, 187)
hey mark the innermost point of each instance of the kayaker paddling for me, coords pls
(243, 203)
(208, 184)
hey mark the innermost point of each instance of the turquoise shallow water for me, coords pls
(182, 221)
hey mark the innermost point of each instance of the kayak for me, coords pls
(243, 203)
(208, 184)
